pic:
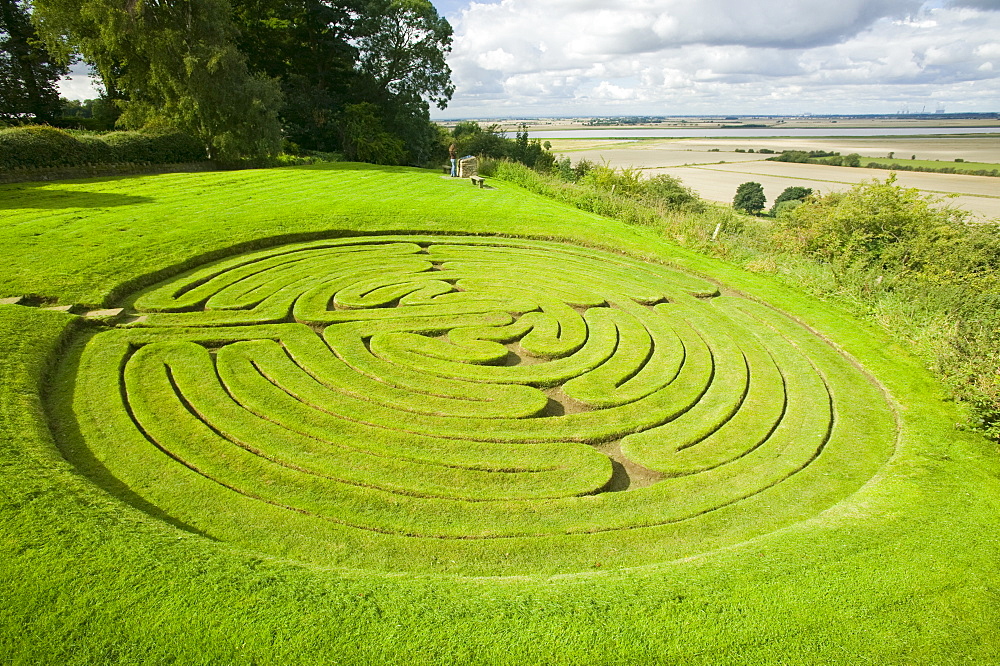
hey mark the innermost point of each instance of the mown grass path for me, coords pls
(371, 416)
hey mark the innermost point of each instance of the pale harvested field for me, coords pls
(699, 169)
(720, 183)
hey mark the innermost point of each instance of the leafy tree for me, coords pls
(306, 46)
(794, 193)
(365, 138)
(28, 73)
(403, 45)
(492, 141)
(472, 139)
(94, 114)
(171, 63)
(669, 192)
(750, 198)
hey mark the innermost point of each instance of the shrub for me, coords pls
(159, 147)
(38, 146)
(627, 182)
(45, 147)
(669, 192)
(94, 150)
(872, 223)
(794, 193)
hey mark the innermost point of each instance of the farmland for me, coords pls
(372, 415)
(713, 168)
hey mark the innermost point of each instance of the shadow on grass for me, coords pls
(37, 196)
(70, 442)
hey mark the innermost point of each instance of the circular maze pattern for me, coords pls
(395, 402)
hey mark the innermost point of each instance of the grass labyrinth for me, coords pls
(397, 402)
(368, 415)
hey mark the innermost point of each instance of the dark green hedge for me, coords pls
(41, 147)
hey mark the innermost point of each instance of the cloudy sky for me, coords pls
(661, 57)
(584, 57)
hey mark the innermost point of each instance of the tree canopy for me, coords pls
(750, 198)
(795, 193)
(243, 74)
(28, 73)
(172, 63)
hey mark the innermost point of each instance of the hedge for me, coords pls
(45, 147)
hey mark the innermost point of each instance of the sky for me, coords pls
(537, 58)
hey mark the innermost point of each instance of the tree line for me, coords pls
(245, 77)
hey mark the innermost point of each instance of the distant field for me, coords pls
(713, 168)
(931, 164)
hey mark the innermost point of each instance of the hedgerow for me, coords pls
(42, 146)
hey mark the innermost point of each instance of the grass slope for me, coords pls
(906, 570)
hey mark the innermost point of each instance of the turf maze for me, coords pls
(401, 403)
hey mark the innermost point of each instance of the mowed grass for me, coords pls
(905, 569)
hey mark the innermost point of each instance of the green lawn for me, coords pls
(931, 164)
(209, 484)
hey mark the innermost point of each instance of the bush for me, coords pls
(38, 146)
(871, 224)
(604, 190)
(669, 192)
(604, 178)
(160, 147)
(48, 147)
(794, 193)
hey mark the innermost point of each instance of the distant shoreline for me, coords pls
(758, 133)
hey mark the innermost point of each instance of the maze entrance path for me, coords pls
(472, 404)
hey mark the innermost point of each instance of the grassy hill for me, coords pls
(876, 546)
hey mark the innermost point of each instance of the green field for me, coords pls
(371, 415)
(959, 167)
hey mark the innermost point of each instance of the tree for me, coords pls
(402, 48)
(794, 193)
(750, 198)
(306, 46)
(364, 137)
(402, 45)
(28, 73)
(170, 62)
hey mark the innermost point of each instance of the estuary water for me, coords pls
(757, 132)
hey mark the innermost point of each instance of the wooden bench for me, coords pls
(478, 180)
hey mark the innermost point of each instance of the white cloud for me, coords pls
(561, 57)
(497, 59)
(78, 85)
